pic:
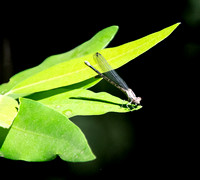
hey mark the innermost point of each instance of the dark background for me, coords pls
(157, 141)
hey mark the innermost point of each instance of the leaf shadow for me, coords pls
(48, 93)
(123, 105)
(93, 99)
(3, 134)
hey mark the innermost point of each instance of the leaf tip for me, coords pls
(175, 25)
(113, 28)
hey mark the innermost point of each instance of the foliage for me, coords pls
(57, 89)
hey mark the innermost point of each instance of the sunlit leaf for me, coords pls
(25, 82)
(8, 111)
(74, 70)
(82, 102)
(39, 134)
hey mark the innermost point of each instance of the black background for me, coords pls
(157, 141)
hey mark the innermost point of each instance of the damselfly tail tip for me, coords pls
(87, 63)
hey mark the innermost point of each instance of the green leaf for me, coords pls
(40, 133)
(8, 111)
(81, 102)
(74, 70)
(26, 79)
(121, 55)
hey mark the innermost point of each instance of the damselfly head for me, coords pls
(137, 100)
(97, 54)
(132, 97)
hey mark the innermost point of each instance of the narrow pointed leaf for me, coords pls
(74, 70)
(121, 55)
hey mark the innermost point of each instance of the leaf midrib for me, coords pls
(64, 75)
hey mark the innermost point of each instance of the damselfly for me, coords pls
(111, 76)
